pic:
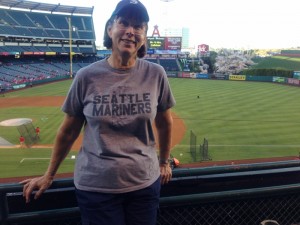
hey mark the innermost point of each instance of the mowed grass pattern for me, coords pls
(241, 120)
(47, 118)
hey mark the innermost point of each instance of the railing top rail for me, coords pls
(285, 166)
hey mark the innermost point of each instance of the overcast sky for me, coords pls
(218, 23)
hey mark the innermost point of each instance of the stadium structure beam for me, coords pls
(46, 7)
(36, 6)
(15, 4)
(54, 8)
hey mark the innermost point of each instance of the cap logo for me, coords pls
(134, 1)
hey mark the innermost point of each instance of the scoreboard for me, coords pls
(164, 43)
(156, 43)
(173, 43)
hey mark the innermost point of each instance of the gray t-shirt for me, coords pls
(118, 152)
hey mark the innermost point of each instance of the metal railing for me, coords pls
(233, 195)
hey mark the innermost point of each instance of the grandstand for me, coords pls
(36, 40)
(170, 64)
(37, 31)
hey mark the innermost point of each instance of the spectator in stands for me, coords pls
(22, 141)
(117, 173)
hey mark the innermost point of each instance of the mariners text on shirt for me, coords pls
(121, 104)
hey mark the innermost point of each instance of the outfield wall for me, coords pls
(274, 79)
(36, 82)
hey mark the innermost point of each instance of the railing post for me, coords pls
(3, 209)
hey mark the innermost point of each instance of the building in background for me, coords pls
(183, 32)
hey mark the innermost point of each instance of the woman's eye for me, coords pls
(124, 23)
(138, 27)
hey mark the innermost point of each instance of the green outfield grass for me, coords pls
(240, 120)
(25, 162)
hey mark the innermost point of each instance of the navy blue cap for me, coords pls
(124, 5)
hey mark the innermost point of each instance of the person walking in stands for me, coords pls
(22, 141)
(117, 174)
(37, 131)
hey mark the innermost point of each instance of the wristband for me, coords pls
(164, 161)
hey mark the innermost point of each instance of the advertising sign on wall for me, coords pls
(237, 77)
(171, 74)
(202, 76)
(279, 79)
(293, 81)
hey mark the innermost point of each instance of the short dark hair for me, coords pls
(107, 41)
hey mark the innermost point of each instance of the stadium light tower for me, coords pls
(71, 29)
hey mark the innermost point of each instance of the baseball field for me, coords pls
(240, 120)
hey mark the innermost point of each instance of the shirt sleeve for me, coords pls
(166, 99)
(73, 104)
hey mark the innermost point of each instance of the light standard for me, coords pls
(70, 44)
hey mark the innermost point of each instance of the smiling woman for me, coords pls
(116, 100)
(117, 113)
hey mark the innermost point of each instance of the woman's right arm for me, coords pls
(66, 136)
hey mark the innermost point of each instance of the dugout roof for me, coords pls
(52, 8)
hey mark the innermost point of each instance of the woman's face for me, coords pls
(127, 35)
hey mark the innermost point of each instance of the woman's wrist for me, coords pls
(164, 161)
